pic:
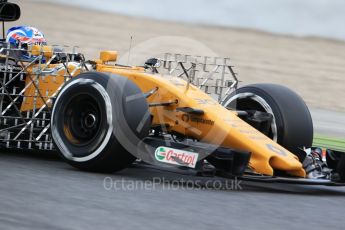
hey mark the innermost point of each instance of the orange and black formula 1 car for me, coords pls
(178, 111)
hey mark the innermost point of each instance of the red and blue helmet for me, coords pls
(23, 36)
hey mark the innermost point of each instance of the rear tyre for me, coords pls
(292, 125)
(94, 126)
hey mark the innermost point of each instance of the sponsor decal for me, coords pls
(277, 150)
(176, 156)
(257, 138)
(205, 101)
(10, 68)
(187, 118)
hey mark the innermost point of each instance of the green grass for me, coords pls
(329, 142)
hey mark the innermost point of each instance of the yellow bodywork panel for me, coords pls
(217, 125)
(46, 51)
(108, 56)
(40, 87)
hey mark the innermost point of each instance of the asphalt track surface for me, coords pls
(39, 191)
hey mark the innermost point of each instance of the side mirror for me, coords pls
(9, 11)
(153, 62)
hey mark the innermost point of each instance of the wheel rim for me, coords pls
(82, 119)
(73, 151)
(263, 107)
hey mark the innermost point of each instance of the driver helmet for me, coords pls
(24, 36)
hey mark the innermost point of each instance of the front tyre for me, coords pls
(94, 125)
(292, 125)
